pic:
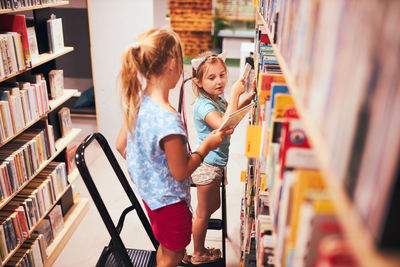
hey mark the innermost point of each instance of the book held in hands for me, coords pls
(233, 120)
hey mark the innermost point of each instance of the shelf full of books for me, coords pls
(24, 5)
(324, 141)
(38, 209)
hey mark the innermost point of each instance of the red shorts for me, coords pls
(172, 225)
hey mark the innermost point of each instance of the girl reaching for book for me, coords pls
(154, 140)
(210, 110)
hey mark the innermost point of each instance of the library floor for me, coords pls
(87, 242)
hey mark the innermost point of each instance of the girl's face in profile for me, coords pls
(214, 79)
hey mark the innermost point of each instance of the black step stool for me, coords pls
(115, 254)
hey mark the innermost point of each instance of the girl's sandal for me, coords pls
(187, 259)
(211, 256)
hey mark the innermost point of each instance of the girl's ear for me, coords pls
(171, 64)
(197, 82)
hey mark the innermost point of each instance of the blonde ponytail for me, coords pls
(145, 58)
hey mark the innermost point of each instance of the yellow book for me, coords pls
(243, 176)
(306, 179)
(283, 102)
(253, 141)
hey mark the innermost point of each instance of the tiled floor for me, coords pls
(88, 240)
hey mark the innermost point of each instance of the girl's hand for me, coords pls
(239, 87)
(252, 91)
(215, 138)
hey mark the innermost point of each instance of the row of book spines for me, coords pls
(12, 53)
(15, 4)
(281, 139)
(22, 158)
(21, 103)
(31, 253)
(28, 208)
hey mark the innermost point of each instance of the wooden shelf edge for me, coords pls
(45, 57)
(68, 93)
(62, 142)
(5, 11)
(71, 222)
(73, 176)
(60, 145)
(39, 60)
(359, 237)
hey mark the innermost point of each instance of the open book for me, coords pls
(233, 120)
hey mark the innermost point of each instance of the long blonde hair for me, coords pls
(198, 75)
(145, 58)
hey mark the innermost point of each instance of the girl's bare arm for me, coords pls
(121, 141)
(182, 166)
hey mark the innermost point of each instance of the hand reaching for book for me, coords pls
(238, 88)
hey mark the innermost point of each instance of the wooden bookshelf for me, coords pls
(61, 143)
(39, 60)
(78, 210)
(61, 3)
(361, 240)
(68, 93)
(71, 221)
(73, 176)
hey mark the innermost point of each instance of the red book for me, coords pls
(24, 224)
(296, 151)
(17, 23)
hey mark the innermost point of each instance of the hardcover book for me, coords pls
(55, 34)
(65, 121)
(56, 220)
(56, 78)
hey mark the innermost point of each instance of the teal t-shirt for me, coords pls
(202, 107)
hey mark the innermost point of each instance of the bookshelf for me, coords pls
(68, 93)
(351, 221)
(80, 206)
(21, 9)
(71, 222)
(361, 240)
(41, 59)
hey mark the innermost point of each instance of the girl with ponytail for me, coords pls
(154, 141)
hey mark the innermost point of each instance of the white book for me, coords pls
(18, 50)
(16, 92)
(25, 105)
(233, 120)
(37, 258)
(50, 132)
(33, 101)
(10, 51)
(2, 131)
(56, 79)
(4, 58)
(6, 114)
(55, 34)
(33, 46)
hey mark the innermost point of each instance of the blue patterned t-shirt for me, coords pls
(202, 107)
(147, 162)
